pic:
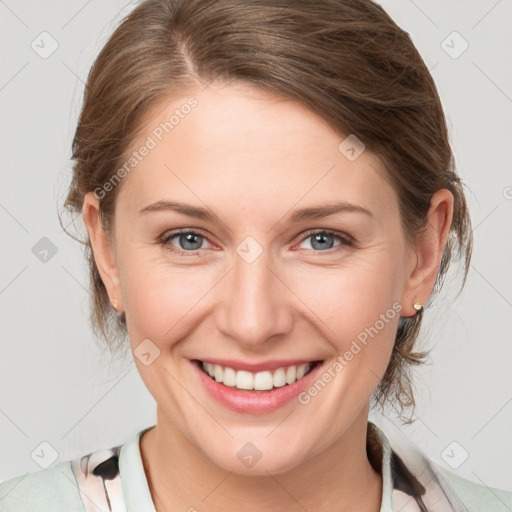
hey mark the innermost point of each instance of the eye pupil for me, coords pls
(189, 238)
(320, 238)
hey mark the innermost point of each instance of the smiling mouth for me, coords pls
(262, 381)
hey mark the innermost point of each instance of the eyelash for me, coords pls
(346, 241)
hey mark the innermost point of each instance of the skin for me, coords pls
(252, 159)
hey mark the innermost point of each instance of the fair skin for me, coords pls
(252, 159)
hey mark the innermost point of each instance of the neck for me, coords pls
(180, 477)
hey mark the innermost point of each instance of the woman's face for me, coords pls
(251, 280)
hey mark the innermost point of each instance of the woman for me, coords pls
(270, 199)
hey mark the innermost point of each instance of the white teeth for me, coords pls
(291, 374)
(209, 369)
(279, 378)
(229, 377)
(244, 380)
(263, 381)
(301, 370)
(260, 381)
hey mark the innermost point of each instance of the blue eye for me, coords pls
(320, 240)
(190, 242)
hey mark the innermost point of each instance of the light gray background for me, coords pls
(58, 387)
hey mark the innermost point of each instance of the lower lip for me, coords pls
(254, 402)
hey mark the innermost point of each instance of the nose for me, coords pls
(255, 304)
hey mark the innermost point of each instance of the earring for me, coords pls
(418, 307)
(114, 304)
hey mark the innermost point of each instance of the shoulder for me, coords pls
(53, 489)
(432, 485)
(477, 497)
(95, 477)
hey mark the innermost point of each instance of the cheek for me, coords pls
(351, 296)
(159, 297)
(357, 309)
(164, 302)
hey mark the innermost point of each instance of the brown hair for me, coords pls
(346, 60)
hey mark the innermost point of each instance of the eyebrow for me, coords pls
(313, 212)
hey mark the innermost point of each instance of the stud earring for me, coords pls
(418, 307)
(114, 304)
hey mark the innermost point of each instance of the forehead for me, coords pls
(234, 143)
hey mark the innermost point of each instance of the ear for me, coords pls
(103, 251)
(427, 253)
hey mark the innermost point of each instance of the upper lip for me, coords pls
(257, 367)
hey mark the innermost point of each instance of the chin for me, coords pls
(248, 460)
